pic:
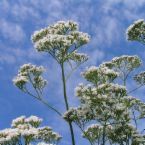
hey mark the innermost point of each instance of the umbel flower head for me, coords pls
(124, 65)
(81, 116)
(93, 132)
(78, 57)
(34, 121)
(136, 31)
(27, 130)
(140, 78)
(99, 75)
(126, 62)
(60, 40)
(29, 73)
(105, 92)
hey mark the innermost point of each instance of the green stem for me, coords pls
(135, 89)
(66, 102)
(134, 118)
(64, 87)
(73, 69)
(49, 106)
(39, 97)
(104, 134)
(42, 101)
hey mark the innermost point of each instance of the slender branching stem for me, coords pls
(39, 96)
(64, 87)
(104, 134)
(135, 89)
(134, 118)
(49, 106)
(73, 69)
(66, 102)
(42, 101)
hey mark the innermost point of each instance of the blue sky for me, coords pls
(105, 20)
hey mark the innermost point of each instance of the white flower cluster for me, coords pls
(52, 42)
(32, 120)
(58, 39)
(99, 75)
(136, 105)
(114, 89)
(61, 27)
(81, 89)
(117, 134)
(93, 132)
(138, 139)
(46, 134)
(104, 92)
(81, 116)
(136, 31)
(9, 136)
(78, 57)
(17, 121)
(103, 102)
(123, 64)
(29, 73)
(28, 130)
(140, 78)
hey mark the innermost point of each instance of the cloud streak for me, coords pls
(11, 31)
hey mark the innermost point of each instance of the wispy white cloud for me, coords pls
(106, 32)
(11, 31)
(129, 9)
(24, 12)
(4, 5)
(12, 56)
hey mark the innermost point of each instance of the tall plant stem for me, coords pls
(104, 134)
(66, 102)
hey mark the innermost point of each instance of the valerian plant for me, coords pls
(107, 113)
(27, 131)
(61, 41)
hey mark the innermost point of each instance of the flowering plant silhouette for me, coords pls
(107, 113)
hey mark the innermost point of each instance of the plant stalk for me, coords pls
(66, 102)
